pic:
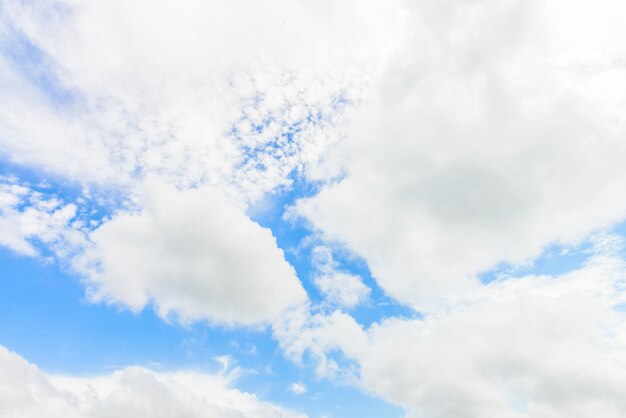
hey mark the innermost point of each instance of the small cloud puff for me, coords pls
(338, 288)
(297, 388)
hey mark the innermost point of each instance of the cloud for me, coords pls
(25, 392)
(195, 255)
(198, 92)
(497, 131)
(534, 346)
(29, 218)
(448, 138)
(321, 337)
(337, 287)
(342, 289)
(297, 388)
(542, 347)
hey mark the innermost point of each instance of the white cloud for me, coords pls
(498, 130)
(337, 287)
(536, 346)
(200, 92)
(488, 130)
(26, 392)
(195, 255)
(297, 388)
(342, 289)
(28, 218)
(541, 347)
(320, 335)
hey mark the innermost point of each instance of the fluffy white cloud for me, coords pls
(135, 391)
(337, 287)
(195, 255)
(541, 347)
(498, 130)
(536, 346)
(487, 130)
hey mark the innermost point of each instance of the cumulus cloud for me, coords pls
(497, 130)
(534, 346)
(25, 392)
(195, 255)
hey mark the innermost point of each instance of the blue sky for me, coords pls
(312, 209)
(47, 319)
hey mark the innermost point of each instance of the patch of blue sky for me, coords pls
(272, 375)
(34, 65)
(379, 306)
(92, 206)
(289, 235)
(556, 259)
(323, 397)
(94, 203)
(287, 138)
(275, 142)
(32, 176)
(44, 316)
(90, 210)
(332, 400)
(298, 241)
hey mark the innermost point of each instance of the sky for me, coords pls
(323, 209)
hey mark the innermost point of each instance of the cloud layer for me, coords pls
(200, 92)
(437, 140)
(497, 131)
(27, 392)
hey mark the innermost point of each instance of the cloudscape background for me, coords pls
(313, 208)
